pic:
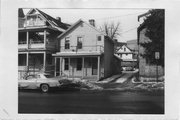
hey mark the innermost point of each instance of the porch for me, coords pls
(80, 66)
(34, 62)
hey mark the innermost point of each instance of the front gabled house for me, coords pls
(86, 52)
(37, 41)
(127, 56)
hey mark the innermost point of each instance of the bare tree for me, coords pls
(111, 29)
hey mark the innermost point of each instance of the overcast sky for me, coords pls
(126, 17)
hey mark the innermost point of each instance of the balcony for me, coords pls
(31, 45)
(96, 48)
(36, 44)
(22, 44)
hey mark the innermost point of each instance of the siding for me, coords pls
(89, 38)
(108, 58)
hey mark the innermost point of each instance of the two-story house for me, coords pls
(37, 40)
(86, 52)
(127, 56)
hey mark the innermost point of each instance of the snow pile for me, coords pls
(79, 83)
(150, 86)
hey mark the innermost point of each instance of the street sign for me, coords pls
(157, 55)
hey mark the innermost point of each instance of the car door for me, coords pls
(29, 82)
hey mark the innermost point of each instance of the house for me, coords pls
(86, 52)
(127, 56)
(37, 41)
(133, 46)
(147, 71)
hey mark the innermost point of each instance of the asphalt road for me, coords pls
(91, 102)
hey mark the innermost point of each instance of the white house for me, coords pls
(124, 52)
(85, 52)
(127, 56)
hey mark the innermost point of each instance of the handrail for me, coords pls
(84, 48)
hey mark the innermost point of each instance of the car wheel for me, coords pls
(44, 88)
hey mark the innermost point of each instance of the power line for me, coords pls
(119, 16)
(128, 30)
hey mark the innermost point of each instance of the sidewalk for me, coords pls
(110, 79)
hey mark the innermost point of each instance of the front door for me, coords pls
(94, 66)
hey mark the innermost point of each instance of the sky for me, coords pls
(126, 17)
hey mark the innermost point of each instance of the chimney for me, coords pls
(92, 22)
(58, 18)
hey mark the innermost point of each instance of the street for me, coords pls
(91, 102)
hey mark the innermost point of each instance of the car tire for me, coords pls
(44, 88)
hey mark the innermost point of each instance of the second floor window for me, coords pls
(99, 38)
(67, 44)
(79, 42)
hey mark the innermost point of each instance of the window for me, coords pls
(99, 38)
(124, 49)
(79, 42)
(66, 64)
(67, 45)
(79, 63)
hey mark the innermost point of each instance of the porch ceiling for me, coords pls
(35, 28)
(74, 54)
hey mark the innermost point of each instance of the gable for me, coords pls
(39, 18)
(32, 11)
(124, 48)
(78, 25)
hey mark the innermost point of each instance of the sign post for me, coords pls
(157, 56)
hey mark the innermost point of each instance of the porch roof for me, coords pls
(75, 54)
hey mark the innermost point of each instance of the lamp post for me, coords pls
(157, 54)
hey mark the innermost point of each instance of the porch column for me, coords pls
(27, 39)
(27, 59)
(70, 67)
(60, 66)
(82, 67)
(98, 70)
(44, 61)
(44, 38)
(55, 66)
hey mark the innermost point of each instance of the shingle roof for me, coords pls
(54, 21)
(20, 13)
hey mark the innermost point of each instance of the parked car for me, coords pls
(40, 81)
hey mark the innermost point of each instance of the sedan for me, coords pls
(40, 81)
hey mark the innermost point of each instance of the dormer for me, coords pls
(34, 19)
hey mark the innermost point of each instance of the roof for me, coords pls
(20, 13)
(132, 45)
(77, 24)
(144, 14)
(52, 21)
(120, 44)
(73, 54)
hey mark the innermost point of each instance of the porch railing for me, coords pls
(22, 42)
(83, 48)
(36, 42)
